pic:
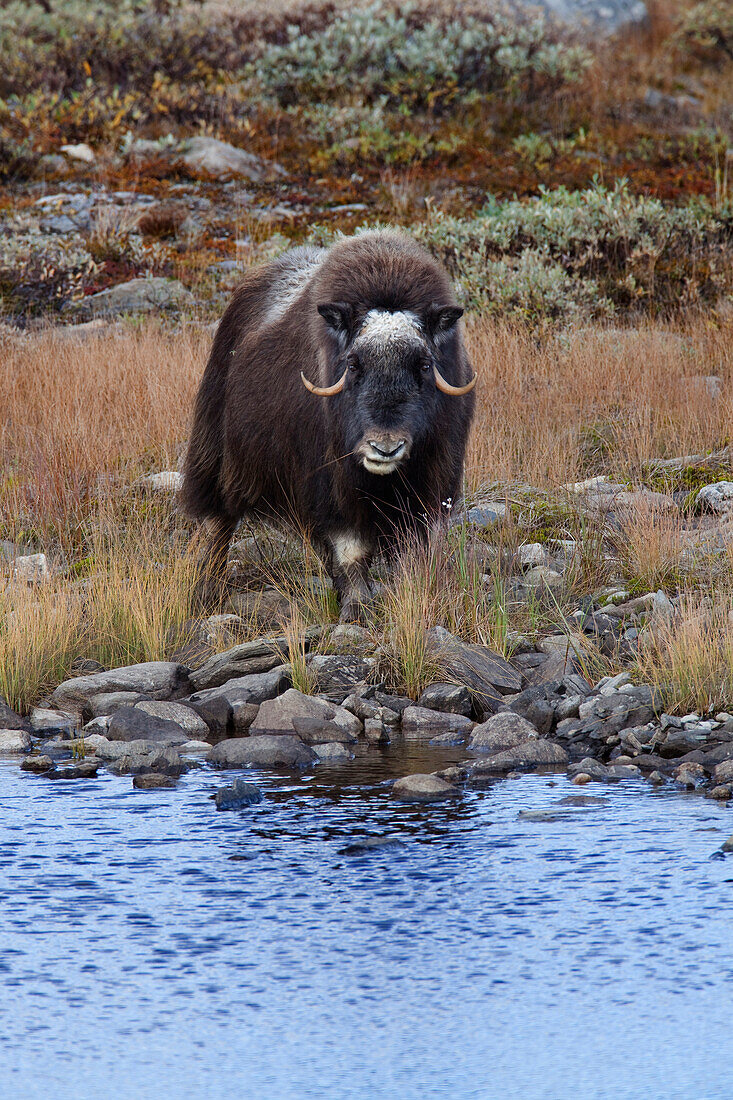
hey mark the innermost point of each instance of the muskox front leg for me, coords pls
(350, 571)
(211, 584)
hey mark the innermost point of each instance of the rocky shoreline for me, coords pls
(238, 710)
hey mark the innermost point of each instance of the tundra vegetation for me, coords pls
(579, 194)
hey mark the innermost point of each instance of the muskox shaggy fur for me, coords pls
(374, 321)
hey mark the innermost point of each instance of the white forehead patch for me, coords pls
(385, 328)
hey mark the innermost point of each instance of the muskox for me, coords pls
(337, 397)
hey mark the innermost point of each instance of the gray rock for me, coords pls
(623, 771)
(195, 748)
(723, 772)
(14, 741)
(589, 767)
(596, 16)
(449, 698)
(277, 715)
(9, 720)
(238, 795)
(478, 668)
(131, 724)
(530, 554)
(333, 753)
(350, 636)
(38, 765)
(321, 730)
(230, 706)
(85, 769)
(260, 656)
(505, 730)
(537, 705)
(340, 673)
(136, 296)
(529, 755)
(448, 740)
(717, 497)
(105, 703)
(53, 722)
(184, 717)
(211, 157)
(423, 788)
(263, 751)
(163, 760)
(156, 679)
(486, 515)
(31, 568)
(376, 732)
(147, 781)
(417, 722)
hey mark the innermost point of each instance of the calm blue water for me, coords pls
(153, 947)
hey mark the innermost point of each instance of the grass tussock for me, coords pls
(690, 658)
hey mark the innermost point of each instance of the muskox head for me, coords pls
(387, 365)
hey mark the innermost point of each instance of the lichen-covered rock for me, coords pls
(136, 296)
(208, 156)
(14, 741)
(185, 717)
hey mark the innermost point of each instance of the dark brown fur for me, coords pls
(263, 446)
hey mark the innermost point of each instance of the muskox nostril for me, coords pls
(386, 450)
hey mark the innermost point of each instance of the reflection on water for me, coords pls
(152, 947)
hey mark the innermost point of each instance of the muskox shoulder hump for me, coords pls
(291, 273)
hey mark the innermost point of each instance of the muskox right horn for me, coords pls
(325, 391)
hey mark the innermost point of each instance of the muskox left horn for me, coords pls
(325, 391)
(452, 391)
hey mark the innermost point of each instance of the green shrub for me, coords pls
(420, 59)
(708, 29)
(587, 252)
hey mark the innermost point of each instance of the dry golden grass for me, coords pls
(690, 658)
(597, 401)
(83, 420)
(81, 417)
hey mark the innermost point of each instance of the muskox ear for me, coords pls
(441, 320)
(338, 316)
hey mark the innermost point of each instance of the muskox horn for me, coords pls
(325, 391)
(452, 391)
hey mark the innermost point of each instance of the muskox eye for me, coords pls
(425, 367)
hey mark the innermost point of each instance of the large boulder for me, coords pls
(14, 741)
(185, 717)
(279, 715)
(261, 655)
(136, 296)
(156, 679)
(131, 724)
(163, 760)
(486, 674)
(505, 730)
(276, 750)
(207, 156)
(232, 707)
